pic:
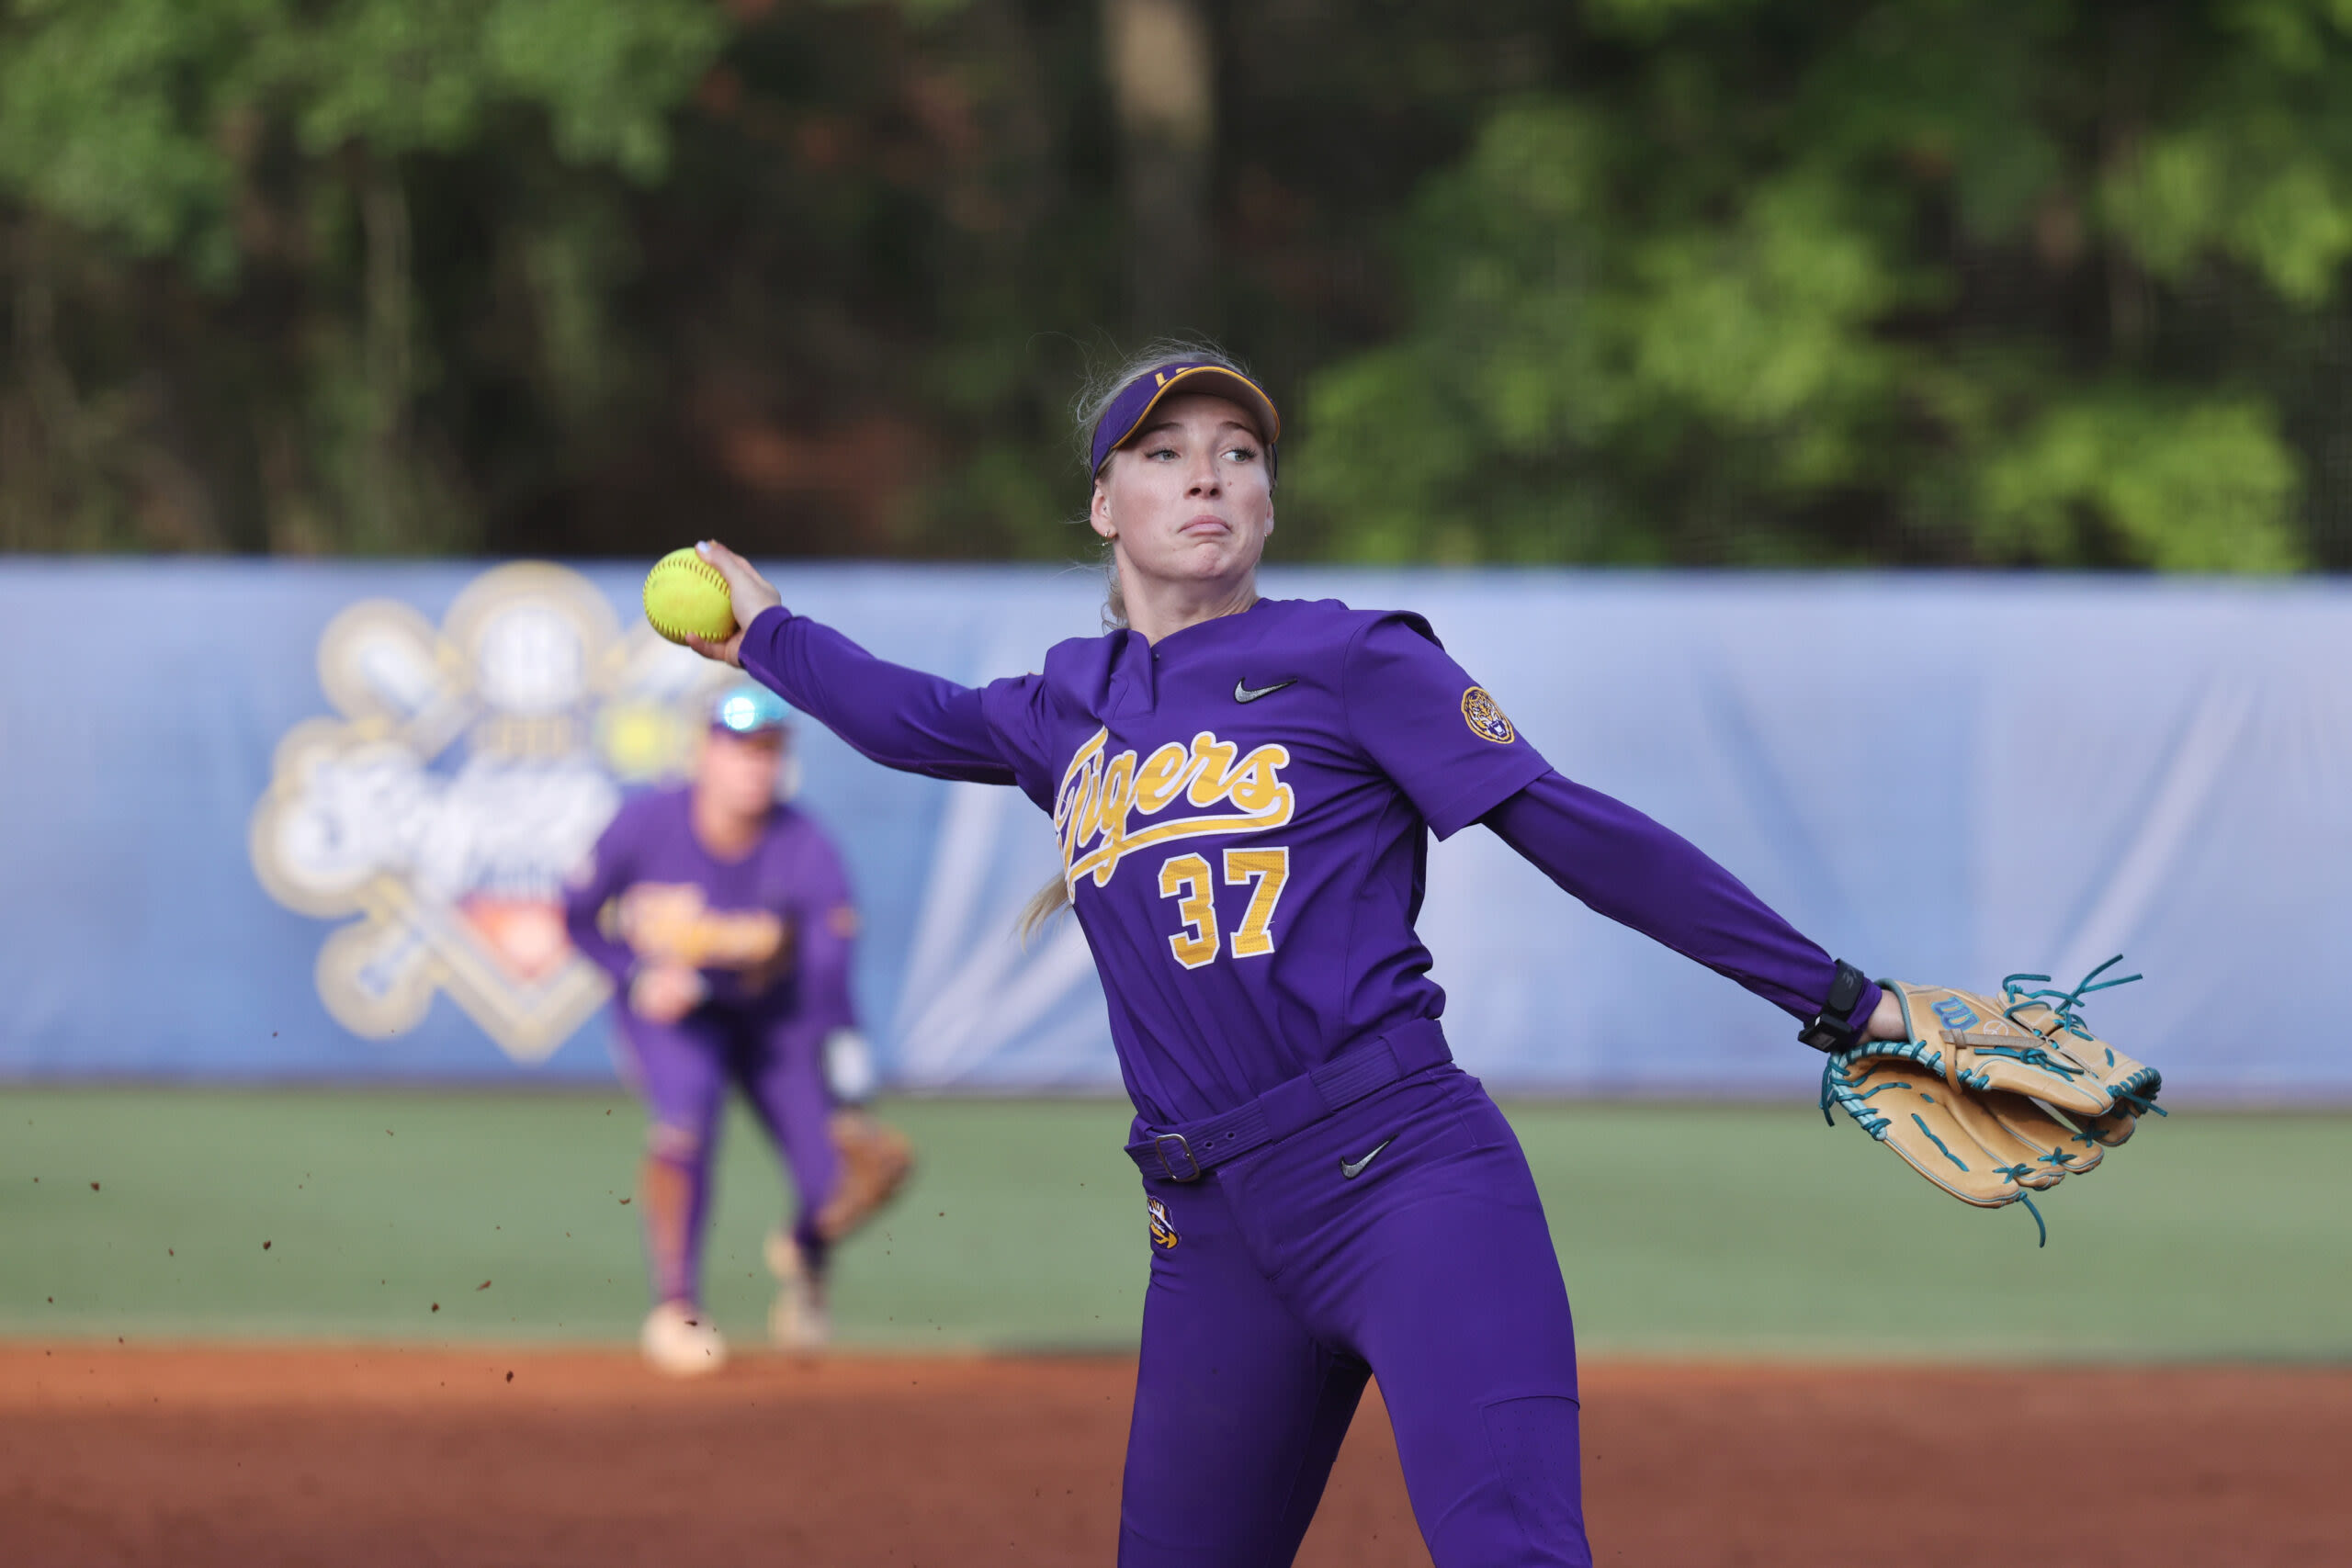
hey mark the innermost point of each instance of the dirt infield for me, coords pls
(213, 1457)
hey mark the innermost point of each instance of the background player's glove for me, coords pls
(1993, 1099)
(670, 923)
(875, 1160)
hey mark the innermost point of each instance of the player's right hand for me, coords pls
(666, 993)
(747, 592)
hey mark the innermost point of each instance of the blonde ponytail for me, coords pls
(1044, 906)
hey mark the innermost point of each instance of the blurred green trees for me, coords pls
(1908, 281)
(1703, 281)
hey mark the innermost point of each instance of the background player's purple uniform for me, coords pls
(763, 1030)
(1244, 810)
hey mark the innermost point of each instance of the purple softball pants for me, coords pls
(683, 1071)
(1290, 1282)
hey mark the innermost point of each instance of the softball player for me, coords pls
(725, 920)
(1244, 789)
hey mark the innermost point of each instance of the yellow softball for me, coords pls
(685, 596)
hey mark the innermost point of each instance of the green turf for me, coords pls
(1719, 1231)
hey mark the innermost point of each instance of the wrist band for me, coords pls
(1828, 1030)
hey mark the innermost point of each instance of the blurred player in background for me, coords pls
(725, 919)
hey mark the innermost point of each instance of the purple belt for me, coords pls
(1183, 1153)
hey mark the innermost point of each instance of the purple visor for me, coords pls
(1139, 397)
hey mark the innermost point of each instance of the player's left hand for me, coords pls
(1885, 1021)
(747, 591)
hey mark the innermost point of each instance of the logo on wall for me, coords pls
(469, 769)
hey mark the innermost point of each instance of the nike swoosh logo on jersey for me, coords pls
(1245, 693)
(1351, 1168)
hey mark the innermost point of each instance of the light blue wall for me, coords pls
(1935, 776)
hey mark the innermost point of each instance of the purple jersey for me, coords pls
(651, 891)
(1243, 811)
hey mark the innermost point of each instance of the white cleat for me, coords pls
(678, 1339)
(799, 1320)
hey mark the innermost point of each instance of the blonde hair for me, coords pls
(1103, 383)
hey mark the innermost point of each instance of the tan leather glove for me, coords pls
(1993, 1099)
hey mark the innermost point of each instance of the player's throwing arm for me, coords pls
(1243, 790)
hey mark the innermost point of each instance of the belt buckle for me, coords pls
(1159, 1142)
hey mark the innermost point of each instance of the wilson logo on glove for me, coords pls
(1954, 1012)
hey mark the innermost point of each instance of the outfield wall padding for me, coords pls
(281, 820)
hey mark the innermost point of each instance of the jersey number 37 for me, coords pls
(1187, 879)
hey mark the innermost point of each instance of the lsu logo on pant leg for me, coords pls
(1163, 1230)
